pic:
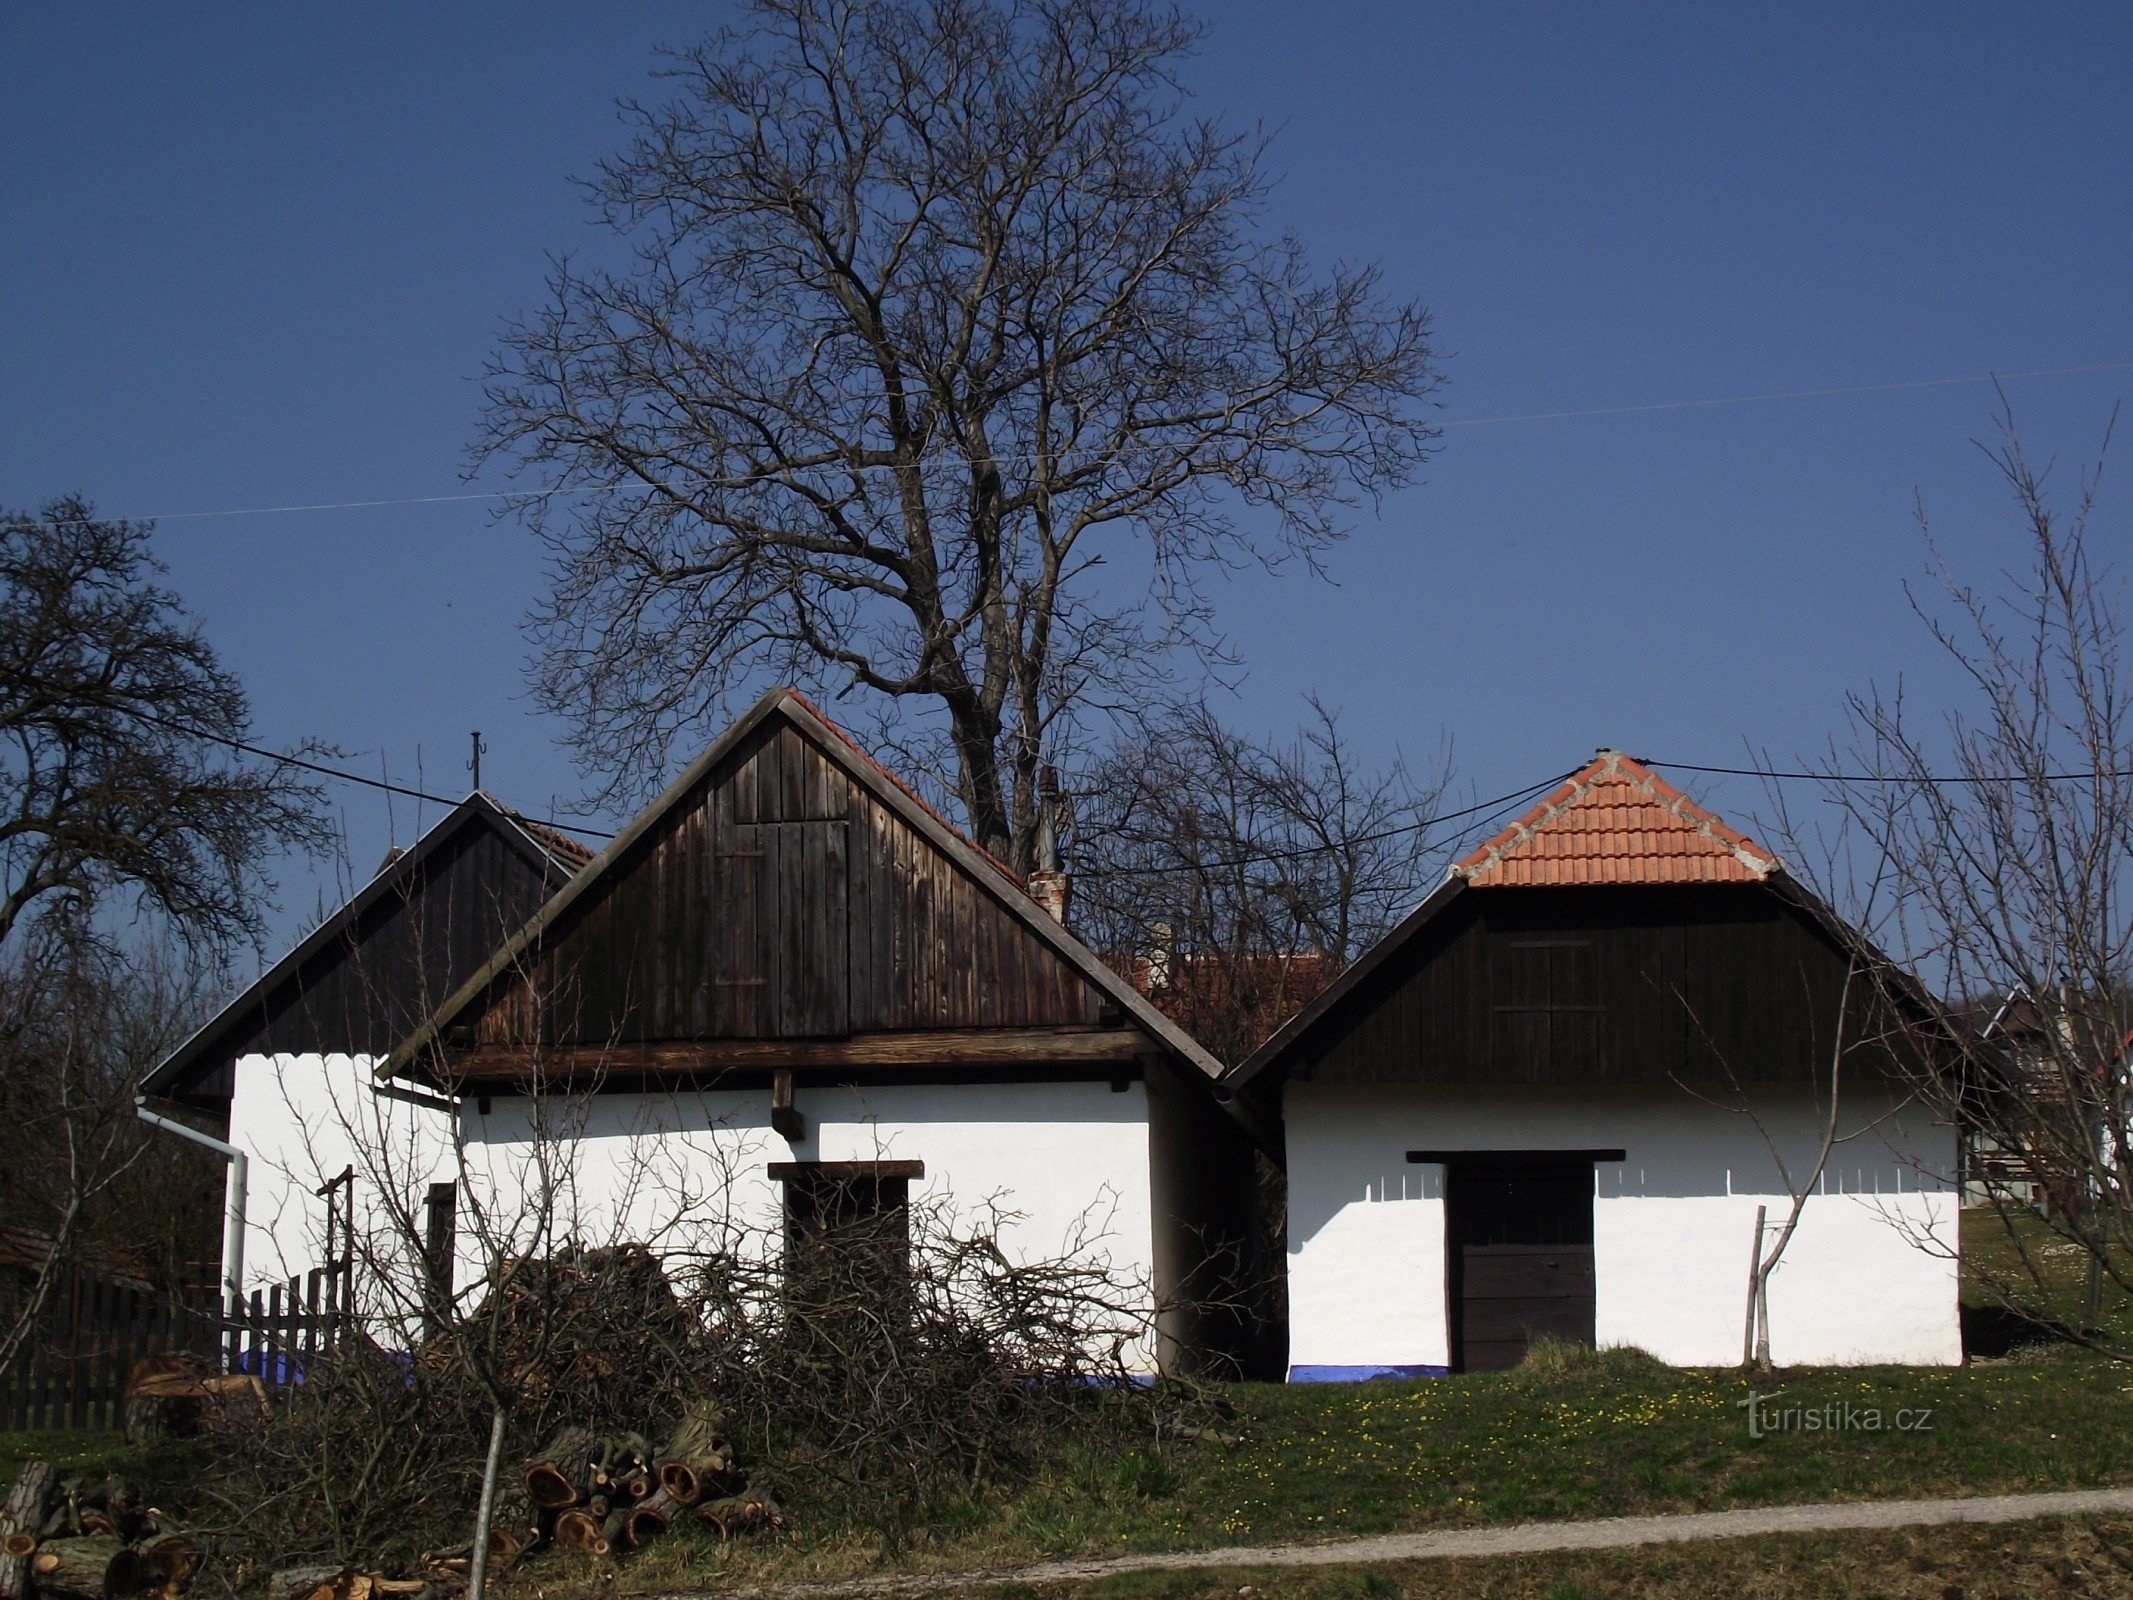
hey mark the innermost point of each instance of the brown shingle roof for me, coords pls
(1617, 821)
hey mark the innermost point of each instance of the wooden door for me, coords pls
(1519, 1248)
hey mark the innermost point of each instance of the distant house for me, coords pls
(792, 988)
(1517, 1114)
(284, 1070)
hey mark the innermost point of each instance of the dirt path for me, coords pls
(1518, 1538)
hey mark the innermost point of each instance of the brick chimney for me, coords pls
(1049, 885)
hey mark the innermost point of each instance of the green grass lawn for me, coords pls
(1591, 1435)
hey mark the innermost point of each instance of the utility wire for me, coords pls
(338, 774)
(1023, 458)
(1891, 777)
(1501, 802)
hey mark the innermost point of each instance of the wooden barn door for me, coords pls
(1519, 1249)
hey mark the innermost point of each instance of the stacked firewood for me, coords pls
(78, 1540)
(604, 1494)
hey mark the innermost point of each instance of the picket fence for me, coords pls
(70, 1372)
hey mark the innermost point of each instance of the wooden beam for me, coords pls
(960, 1047)
(784, 1116)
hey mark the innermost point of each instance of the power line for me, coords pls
(1501, 802)
(1788, 394)
(1023, 458)
(338, 774)
(1935, 779)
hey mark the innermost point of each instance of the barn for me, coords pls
(1557, 1096)
(791, 989)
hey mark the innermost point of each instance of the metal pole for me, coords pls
(234, 1203)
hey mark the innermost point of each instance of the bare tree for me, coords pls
(112, 778)
(2005, 832)
(934, 310)
(1246, 873)
(84, 1182)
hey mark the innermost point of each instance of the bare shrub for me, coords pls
(869, 1375)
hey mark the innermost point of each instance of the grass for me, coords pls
(1573, 1434)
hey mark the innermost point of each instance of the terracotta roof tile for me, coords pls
(1616, 822)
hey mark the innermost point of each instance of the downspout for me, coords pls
(233, 1215)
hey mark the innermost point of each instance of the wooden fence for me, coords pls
(91, 1331)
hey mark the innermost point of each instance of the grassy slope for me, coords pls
(1610, 1434)
(1613, 1434)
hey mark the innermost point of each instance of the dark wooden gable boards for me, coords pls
(1609, 984)
(778, 898)
(381, 964)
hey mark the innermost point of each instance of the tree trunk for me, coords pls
(485, 1514)
(23, 1517)
(95, 1568)
(651, 1517)
(561, 1475)
(698, 1460)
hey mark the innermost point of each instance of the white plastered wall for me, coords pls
(303, 1119)
(1069, 1161)
(1869, 1277)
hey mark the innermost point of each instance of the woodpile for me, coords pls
(599, 1493)
(606, 1494)
(78, 1540)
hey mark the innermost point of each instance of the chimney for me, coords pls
(1049, 885)
(1049, 890)
(1162, 953)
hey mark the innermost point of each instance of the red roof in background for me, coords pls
(1616, 822)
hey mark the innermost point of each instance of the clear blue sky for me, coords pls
(256, 255)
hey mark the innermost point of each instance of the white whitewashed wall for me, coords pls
(1068, 1161)
(302, 1119)
(1869, 1277)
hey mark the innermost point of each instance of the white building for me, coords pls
(790, 985)
(285, 1071)
(1554, 1099)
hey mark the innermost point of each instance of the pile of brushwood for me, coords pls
(879, 1382)
(76, 1540)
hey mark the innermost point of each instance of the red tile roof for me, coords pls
(1616, 822)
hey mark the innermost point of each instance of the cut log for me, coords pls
(614, 1532)
(576, 1530)
(741, 1513)
(22, 1517)
(561, 1475)
(698, 1462)
(701, 1432)
(94, 1568)
(171, 1559)
(651, 1517)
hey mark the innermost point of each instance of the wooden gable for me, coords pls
(371, 972)
(1638, 985)
(789, 893)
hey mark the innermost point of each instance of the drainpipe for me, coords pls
(233, 1217)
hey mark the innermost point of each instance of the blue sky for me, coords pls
(257, 255)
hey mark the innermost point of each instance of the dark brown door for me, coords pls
(1520, 1254)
